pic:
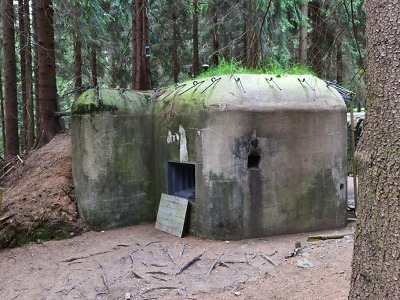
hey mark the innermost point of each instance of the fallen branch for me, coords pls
(3, 219)
(190, 262)
(182, 251)
(267, 258)
(161, 288)
(159, 278)
(166, 250)
(136, 275)
(104, 277)
(216, 261)
(313, 238)
(82, 257)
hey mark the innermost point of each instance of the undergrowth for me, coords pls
(273, 68)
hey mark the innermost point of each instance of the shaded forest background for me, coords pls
(53, 50)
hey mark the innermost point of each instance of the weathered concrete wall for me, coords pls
(299, 135)
(112, 163)
(268, 160)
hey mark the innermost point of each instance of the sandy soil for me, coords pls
(143, 262)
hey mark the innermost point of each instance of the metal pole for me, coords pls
(353, 146)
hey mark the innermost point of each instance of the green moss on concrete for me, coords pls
(115, 101)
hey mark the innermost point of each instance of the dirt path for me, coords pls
(98, 265)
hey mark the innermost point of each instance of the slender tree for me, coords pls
(376, 260)
(93, 60)
(22, 60)
(141, 32)
(215, 43)
(303, 33)
(30, 124)
(317, 37)
(195, 34)
(10, 80)
(77, 51)
(175, 58)
(49, 123)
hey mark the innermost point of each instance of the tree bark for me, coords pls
(93, 59)
(195, 35)
(35, 66)
(214, 15)
(30, 129)
(376, 261)
(303, 33)
(3, 127)
(77, 58)
(142, 72)
(175, 61)
(22, 61)
(316, 53)
(49, 124)
(10, 80)
(134, 10)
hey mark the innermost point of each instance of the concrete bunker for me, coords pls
(254, 155)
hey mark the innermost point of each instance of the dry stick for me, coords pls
(166, 250)
(161, 288)
(214, 265)
(189, 263)
(247, 259)
(159, 278)
(136, 275)
(82, 257)
(20, 159)
(267, 258)
(104, 276)
(183, 250)
(8, 171)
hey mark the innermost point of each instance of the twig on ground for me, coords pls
(267, 258)
(190, 262)
(82, 257)
(182, 251)
(162, 288)
(214, 264)
(20, 159)
(247, 259)
(136, 275)
(104, 276)
(166, 250)
(159, 278)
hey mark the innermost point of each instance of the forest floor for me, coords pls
(142, 262)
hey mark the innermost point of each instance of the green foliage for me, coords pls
(275, 68)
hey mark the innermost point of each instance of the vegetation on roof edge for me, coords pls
(273, 67)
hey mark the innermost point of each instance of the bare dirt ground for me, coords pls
(141, 261)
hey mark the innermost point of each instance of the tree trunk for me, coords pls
(22, 60)
(134, 17)
(49, 123)
(35, 67)
(10, 80)
(339, 61)
(142, 73)
(30, 129)
(376, 261)
(214, 15)
(93, 54)
(303, 33)
(175, 61)
(3, 127)
(195, 64)
(317, 38)
(77, 61)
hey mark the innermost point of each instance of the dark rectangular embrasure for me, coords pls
(182, 180)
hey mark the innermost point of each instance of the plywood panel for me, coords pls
(171, 214)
